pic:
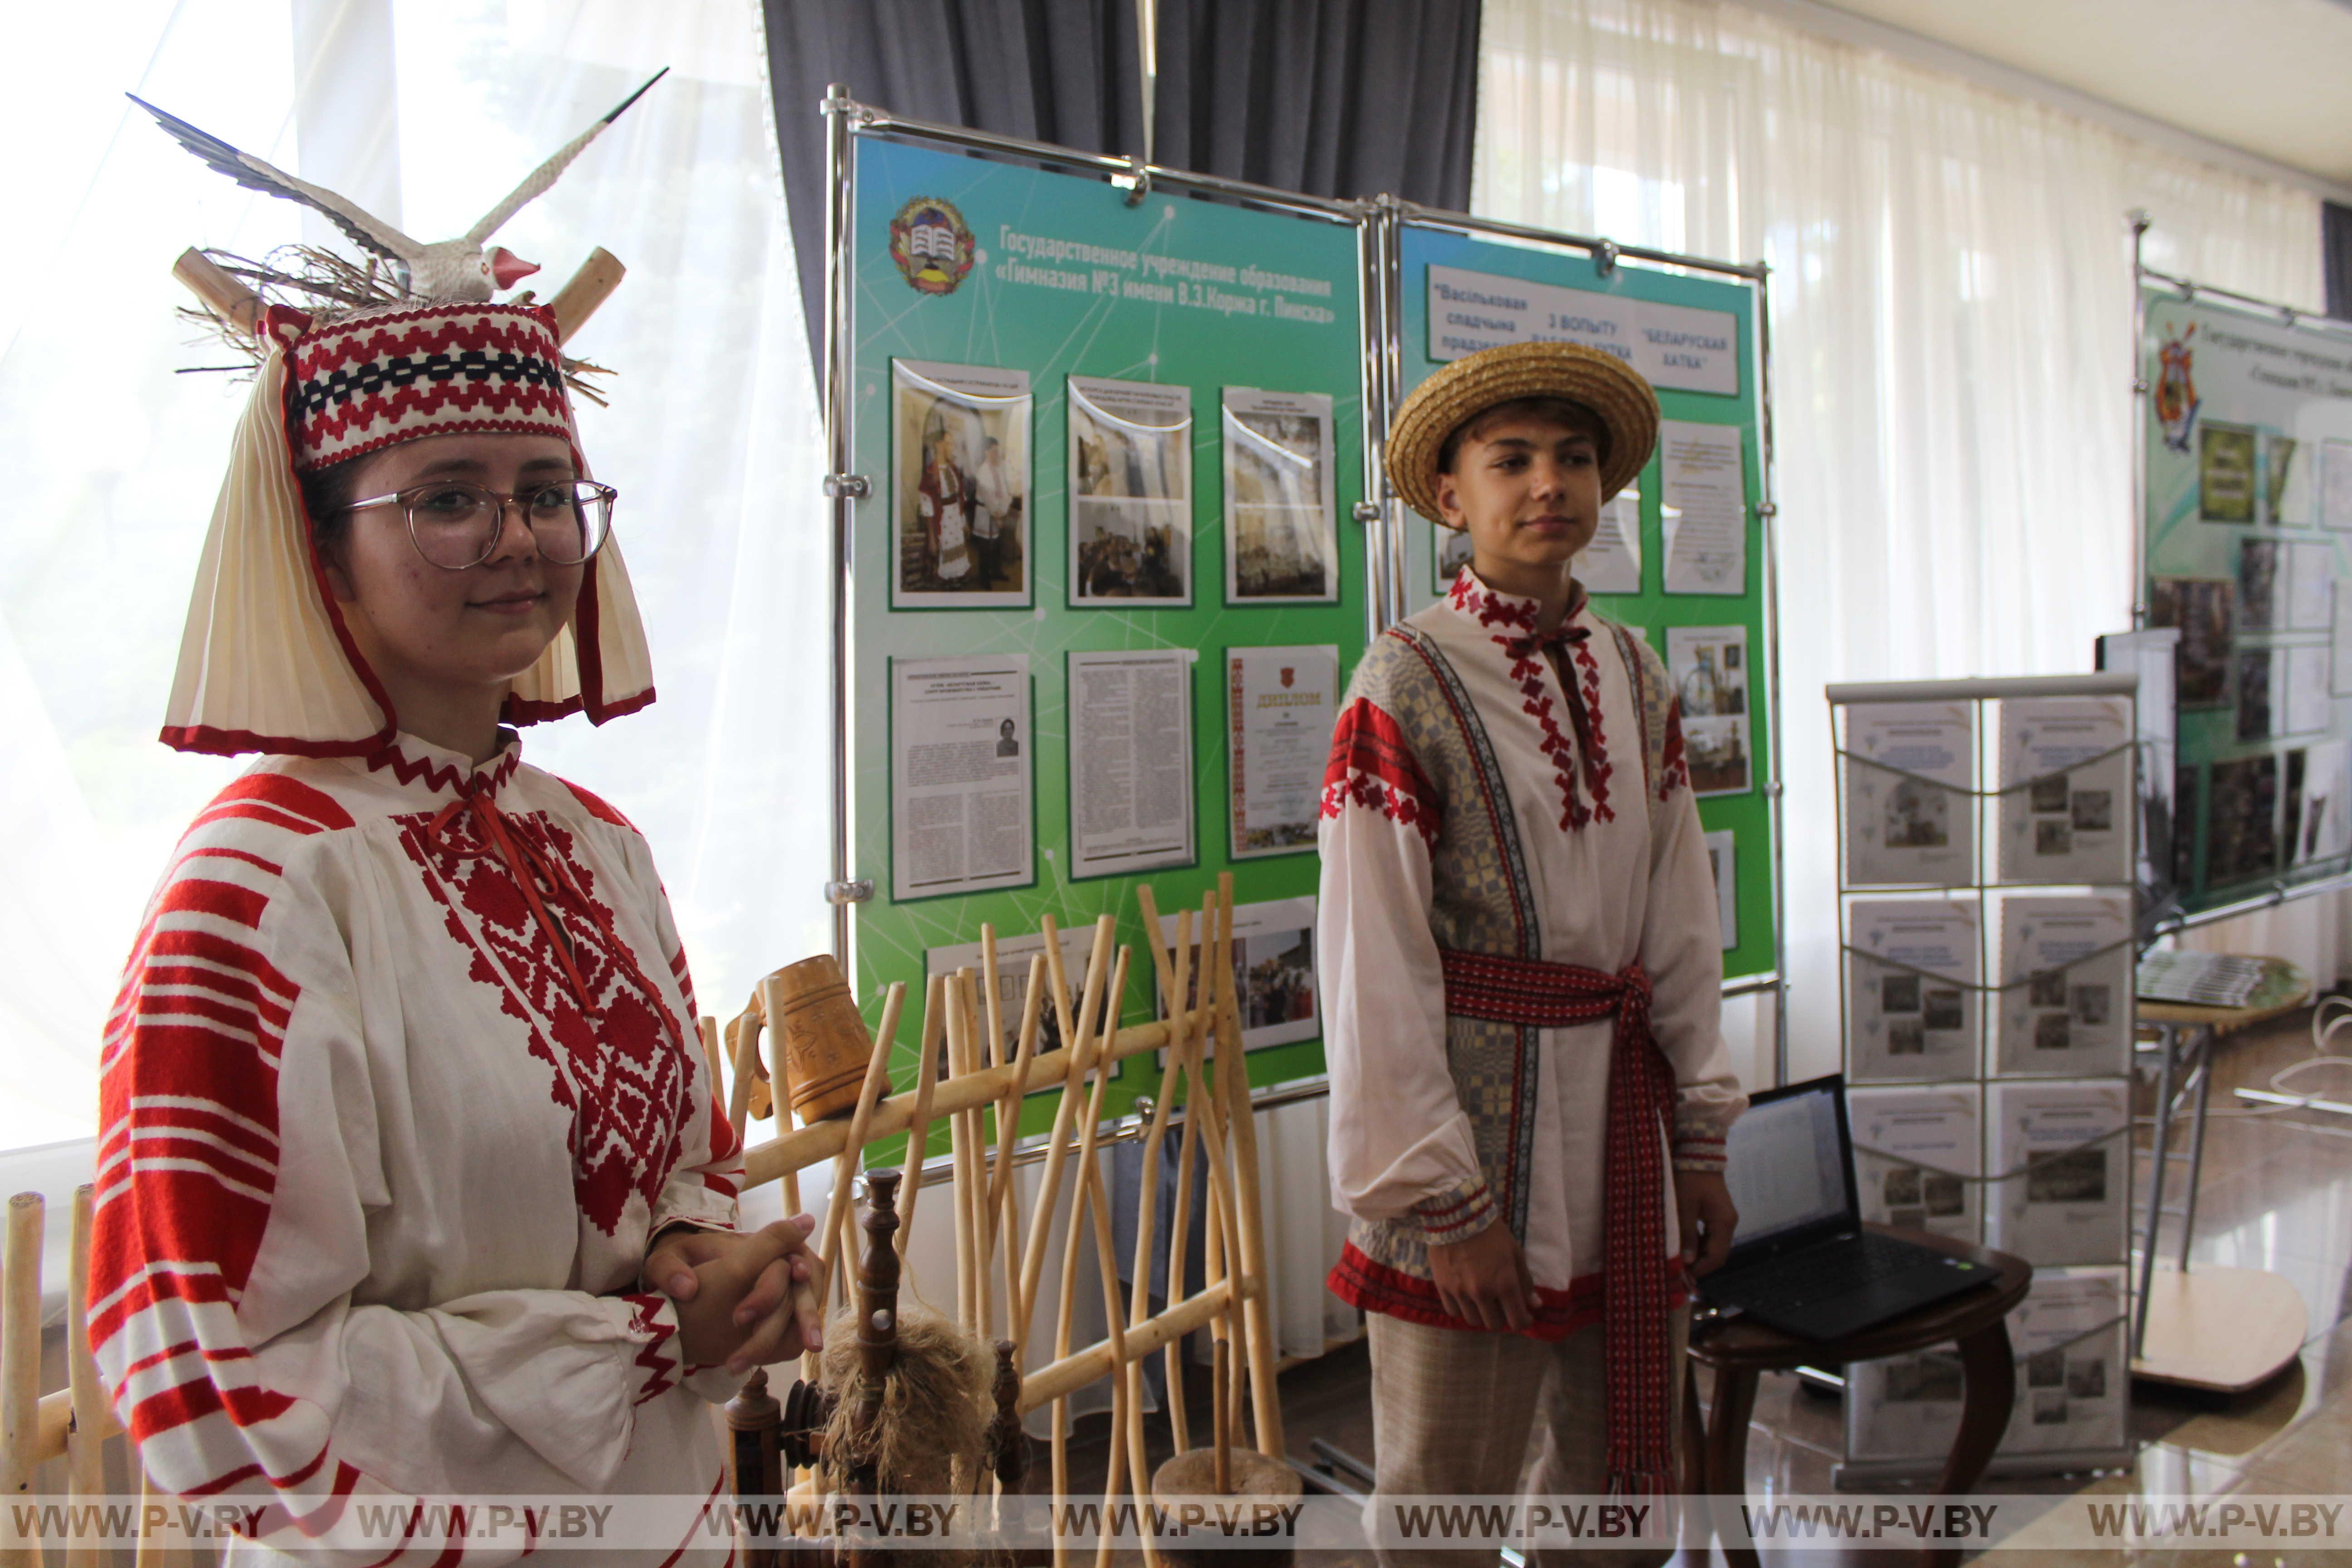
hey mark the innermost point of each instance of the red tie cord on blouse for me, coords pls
(1556, 644)
(522, 859)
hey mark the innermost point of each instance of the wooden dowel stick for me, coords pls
(85, 1446)
(806, 1146)
(153, 1552)
(1096, 1204)
(1049, 1188)
(834, 1241)
(708, 1029)
(20, 1358)
(1066, 1374)
(972, 1177)
(960, 1145)
(589, 288)
(999, 1053)
(1147, 1209)
(747, 1063)
(1001, 1208)
(1180, 1053)
(936, 1003)
(1066, 1296)
(224, 293)
(1223, 1463)
(1266, 1401)
(1112, 1478)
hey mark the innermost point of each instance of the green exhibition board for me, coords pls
(2249, 551)
(992, 266)
(1671, 326)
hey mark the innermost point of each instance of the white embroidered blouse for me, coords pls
(1459, 800)
(380, 1160)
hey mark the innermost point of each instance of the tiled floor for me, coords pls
(2276, 1194)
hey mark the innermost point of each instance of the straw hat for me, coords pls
(1600, 382)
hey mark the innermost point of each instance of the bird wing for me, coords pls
(364, 227)
(546, 174)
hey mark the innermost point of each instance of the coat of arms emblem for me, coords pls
(2176, 390)
(931, 244)
(1288, 673)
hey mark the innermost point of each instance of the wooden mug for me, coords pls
(819, 1037)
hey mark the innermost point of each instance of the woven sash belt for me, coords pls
(1636, 1286)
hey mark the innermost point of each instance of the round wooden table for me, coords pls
(1739, 1350)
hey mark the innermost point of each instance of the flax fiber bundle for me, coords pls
(931, 1436)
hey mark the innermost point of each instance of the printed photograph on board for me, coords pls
(1449, 553)
(2258, 595)
(959, 477)
(1708, 666)
(2241, 830)
(2336, 484)
(1130, 493)
(1274, 970)
(2254, 694)
(1013, 953)
(1281, 537)
(2287, 496)
(2225, 473)
(2204, 609)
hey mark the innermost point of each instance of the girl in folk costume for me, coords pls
(1519, 931)
(413, 1180)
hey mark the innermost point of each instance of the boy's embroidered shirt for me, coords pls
(1473, 804)
(390, 1110)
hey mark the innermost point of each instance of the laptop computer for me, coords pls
(1800, 1261)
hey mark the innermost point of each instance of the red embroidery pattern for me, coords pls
(623, 1077)
(1372, 765)
(1450, 1219)
(1524, 648)
(1363, 1282)
(443, 777)
(1597, 744)
(1673, 770)
(660, 1366)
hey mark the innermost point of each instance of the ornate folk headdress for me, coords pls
(267, 663)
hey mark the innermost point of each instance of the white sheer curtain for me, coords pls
(1951, 298)
(434, 111)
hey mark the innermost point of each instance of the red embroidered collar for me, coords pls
(447, 773)
(1511, 623)
(1495, 610)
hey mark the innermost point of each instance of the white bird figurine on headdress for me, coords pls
(446, 269)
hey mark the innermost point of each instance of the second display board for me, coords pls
(1108, 595)
(1681, 555)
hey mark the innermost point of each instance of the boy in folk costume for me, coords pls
(1518, 930)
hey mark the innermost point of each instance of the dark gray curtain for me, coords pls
(1064, 71)
(1329, 98)
(2336, 258)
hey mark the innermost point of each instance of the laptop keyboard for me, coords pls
(1820, 1275)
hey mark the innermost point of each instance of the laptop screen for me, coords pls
(1786, 1162)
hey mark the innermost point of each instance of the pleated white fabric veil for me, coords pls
(265, 664)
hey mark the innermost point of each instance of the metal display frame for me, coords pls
(1984, 792)
(2282, 890)
(1379, 222)
(1390, 216)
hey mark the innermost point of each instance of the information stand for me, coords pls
(2245, 507)
(1093, 434)
(1685, 554)
(1986, 849)
(1101, 438)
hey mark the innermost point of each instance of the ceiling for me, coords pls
(2266, 76)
